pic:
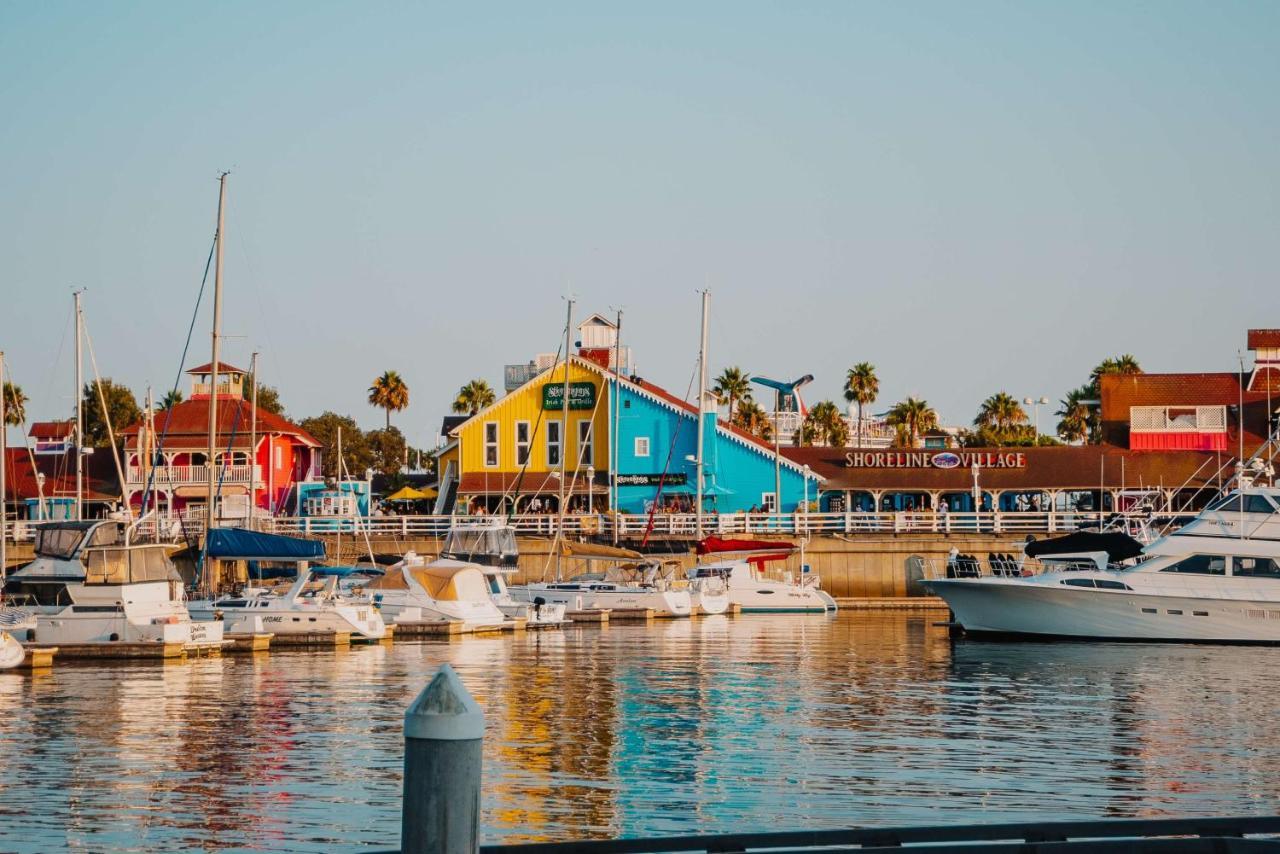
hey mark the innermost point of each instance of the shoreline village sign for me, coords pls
(581, 396)
(942, 460)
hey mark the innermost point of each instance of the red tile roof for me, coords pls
(1122, 391)
(60, 477)
(1259, 338)
(52, 429)
(187, 424)
(223, 368)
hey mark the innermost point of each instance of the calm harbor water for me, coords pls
(710, 725)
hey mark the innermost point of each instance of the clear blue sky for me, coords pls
(974, 196)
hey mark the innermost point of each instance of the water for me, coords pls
(710, 725)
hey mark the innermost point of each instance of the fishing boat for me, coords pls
(633, 585)
(442, 590)
(748, 586)
(88, 584)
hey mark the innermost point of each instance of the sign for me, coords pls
(581, 396)
(650, 479)
(931, 459)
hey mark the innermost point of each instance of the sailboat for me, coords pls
(749, 588)
(631, 583)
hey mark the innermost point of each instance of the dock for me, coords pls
(249, 641)
(601, 616)
(316, 639)
(444, 628)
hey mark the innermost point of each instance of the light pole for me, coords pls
(1037, 403)
(591, 480)
(806, 473)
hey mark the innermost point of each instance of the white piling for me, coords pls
(443, 738)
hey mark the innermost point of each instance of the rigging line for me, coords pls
(106, 418)
(671, 449)
(222, 472)
(515, 487)
(57, 360)
(26, 443)
(182, 363)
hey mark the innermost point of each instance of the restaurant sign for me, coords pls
(936, 460)
(651, 479)
(581, 396)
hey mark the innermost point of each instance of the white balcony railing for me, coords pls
(180, 475)
(224, 389)
(1178, 419)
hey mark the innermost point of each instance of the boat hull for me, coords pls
(1012, 607)
(776, 598)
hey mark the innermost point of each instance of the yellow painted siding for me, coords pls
(525, 404)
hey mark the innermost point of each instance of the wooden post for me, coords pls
(443, 739)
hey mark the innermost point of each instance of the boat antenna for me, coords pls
(79, 444)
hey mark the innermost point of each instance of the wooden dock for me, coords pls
(631, 615)
(38, 657)
(120, 650)
(601, 616)
(317, 639)
(445, 628)
(249, 641)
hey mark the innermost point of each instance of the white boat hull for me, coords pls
(708, 599)
(676, 603)
(1011, 606)
(11, 652)
(760, 597)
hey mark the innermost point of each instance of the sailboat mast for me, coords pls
(79, 443)
(613, 431)
(253, 441)
(564, 431)
(211, 498)
(4, 482)
(702, 405)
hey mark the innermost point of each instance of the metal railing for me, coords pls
(183, 475)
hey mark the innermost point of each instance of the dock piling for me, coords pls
(443, 737)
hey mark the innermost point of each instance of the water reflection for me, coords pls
(704, 725)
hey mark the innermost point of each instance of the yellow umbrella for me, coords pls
(408, 493)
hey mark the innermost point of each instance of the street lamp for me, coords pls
(591, 480)
(1037, 403)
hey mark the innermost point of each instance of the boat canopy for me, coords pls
(1118, 546)
(719, 545)
(243, 544)
(596, 551)
(452, 583)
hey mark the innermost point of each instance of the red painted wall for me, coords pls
(1177, 441)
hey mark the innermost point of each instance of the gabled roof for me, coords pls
(223, 368)
(650, 391)
(599, 320)
(52, 429)
(59, 476)
(190, 419)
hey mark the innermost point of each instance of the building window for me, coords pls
(768, 502)
(491, 443)
(585, 457)
(555, 443)
(279, 457)
(522, 442)
(642, 446)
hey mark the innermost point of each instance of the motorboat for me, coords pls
(748, 586)
(491, 544)
(538, 612)
(312, 603)
(443, 590)
(89, 584)
(1216, 579)
(12, 652)
(710, 594)
(631, 582)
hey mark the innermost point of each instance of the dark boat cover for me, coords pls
(243, 544)
(1118, 546)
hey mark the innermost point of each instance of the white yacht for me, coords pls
(1217, 579)
(443, 590)
(593, 592)
(312, 603)
(88, 584)
(750, 589)
(710, 594)
(538, 612)
(491, 545)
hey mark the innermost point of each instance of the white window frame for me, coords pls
(523, 447)
(641, 446)
(768, 502)
(586, 442)
(491, 444)
(279, 456)
(555, 440)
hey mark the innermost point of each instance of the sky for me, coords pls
(975, 197)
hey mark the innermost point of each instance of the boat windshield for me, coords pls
(492, 546)
(58, 541)
(1237, 503)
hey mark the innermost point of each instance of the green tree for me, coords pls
(15, 405)
(171, 399)
(268, 396)
(1124, 364)
(861, 386)
(1001, 413)
(473, 397)
(752, 418)
(912, 417)
(1078, 419)
(122, 410)
(389, 450)
(828, 424)
(733, 386)
(390, 393)
(356, 453)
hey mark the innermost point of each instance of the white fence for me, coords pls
(182, 475)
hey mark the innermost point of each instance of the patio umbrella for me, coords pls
(408, 493)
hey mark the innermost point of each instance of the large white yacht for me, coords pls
(443, 590)
(749, 588)
(88, 584)
(1215, 579)
(312, 603)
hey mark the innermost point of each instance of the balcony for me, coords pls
(224, 389)
(1183, 428)
(186, 475)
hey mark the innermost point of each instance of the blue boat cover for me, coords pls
(243, 544)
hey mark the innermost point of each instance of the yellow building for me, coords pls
(519, 446)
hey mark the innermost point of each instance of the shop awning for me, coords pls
(408, 493)
(243, 544)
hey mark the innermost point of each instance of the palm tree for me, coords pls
(171, 399)
(733, 385)
(752, 418)
(827, 423)
(861, 387)
(15, 405)
(1077, 417)
(1125, 364)
(473, 397)
(913, 416)
(389, 392)
(1000, 413)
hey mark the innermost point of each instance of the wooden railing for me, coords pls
(165, 475)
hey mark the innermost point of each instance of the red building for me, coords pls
(282, 456)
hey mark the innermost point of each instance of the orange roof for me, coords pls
(190, 420)
(52, 429)
(1122, 391)
(59, 476)
(223, 368)
(1259, 338)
